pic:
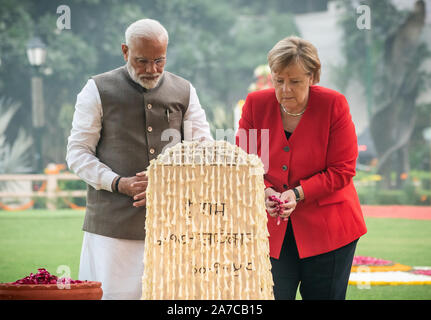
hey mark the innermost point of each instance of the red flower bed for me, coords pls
(425, 272)
(370, 261)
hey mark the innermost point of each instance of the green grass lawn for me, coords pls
(33, 239)
(400, 240)
(39, 238)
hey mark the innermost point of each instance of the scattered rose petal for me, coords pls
(279, 203)
(44, 277)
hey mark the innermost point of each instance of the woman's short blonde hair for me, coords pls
(295, 50)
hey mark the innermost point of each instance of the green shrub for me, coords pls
(415, 191)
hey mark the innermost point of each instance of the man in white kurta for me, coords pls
(115, 261)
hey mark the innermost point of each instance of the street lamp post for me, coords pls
(36, 53)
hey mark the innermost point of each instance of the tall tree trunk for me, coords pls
(392, 124)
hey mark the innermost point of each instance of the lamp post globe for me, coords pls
(36, 52)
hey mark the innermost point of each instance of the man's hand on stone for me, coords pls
(141, 197)
(134, 187)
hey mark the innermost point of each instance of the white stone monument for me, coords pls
(206, 233)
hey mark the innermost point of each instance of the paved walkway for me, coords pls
(405, 212)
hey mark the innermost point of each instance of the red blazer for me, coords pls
(320, 156)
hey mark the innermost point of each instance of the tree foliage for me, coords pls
(14, 155)
(214, 44)
(387, 61)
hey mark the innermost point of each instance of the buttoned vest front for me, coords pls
(135, 129)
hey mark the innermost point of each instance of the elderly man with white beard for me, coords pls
(123, 119)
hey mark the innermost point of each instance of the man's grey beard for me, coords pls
(147, 84)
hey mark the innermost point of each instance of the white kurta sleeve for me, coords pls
(84, 137)
(195, 119)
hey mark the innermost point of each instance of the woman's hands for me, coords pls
(271, 206)
(288, 203)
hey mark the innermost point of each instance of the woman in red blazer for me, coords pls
(309, 164)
